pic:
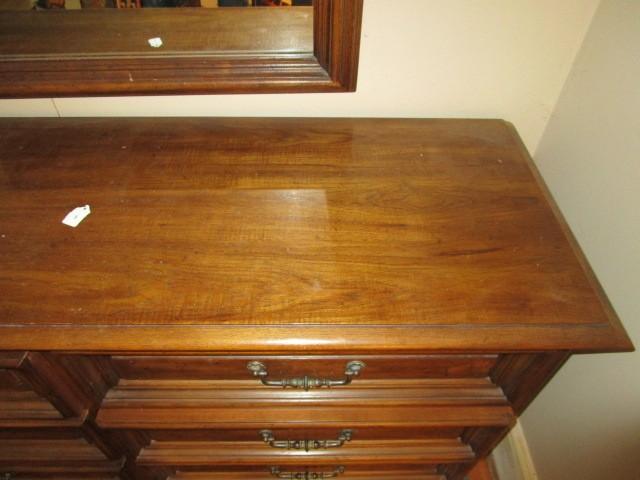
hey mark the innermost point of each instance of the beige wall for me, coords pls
(423, 58)
(586, 423)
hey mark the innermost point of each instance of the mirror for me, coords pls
(43, 5)
(116, 47)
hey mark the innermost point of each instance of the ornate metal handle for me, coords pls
(259, 370)
(306, 445)
(275, 471)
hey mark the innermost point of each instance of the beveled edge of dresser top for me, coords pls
(309, 338)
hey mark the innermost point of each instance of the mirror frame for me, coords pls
(332, 67)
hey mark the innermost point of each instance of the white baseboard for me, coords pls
(512, 458)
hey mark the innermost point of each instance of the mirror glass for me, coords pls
(43, 5)
(141, 47)
(72, 28)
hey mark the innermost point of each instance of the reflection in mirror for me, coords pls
(82, 4)
(89, 47)
(73, 30)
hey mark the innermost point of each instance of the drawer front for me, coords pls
(19, 402)
(293, 433)
(415, 459)
(139, 415)
(47, 403)
(219, 398)
(33, 394)
(47, 390)
(422, 473)
(283, 367)
(212, 415)
(408, 416)
(67, 456)
(364, 453)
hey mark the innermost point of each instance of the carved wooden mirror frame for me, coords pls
(331, 67)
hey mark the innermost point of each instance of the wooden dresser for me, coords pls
(278, 298)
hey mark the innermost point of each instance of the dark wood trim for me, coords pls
(482, 471)
(227, 257)
(337, 28)
(523, 376)
(284, 339)
(331, 67)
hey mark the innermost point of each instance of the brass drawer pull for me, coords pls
(275, 471)
(306, 445)
(259, 370)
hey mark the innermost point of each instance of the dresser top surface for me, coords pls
(302, 225)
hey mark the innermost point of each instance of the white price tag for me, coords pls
(155, 42)
(75, 216)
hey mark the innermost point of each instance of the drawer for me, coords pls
(413, 457)
(27, 398)
(209, 392)
(203, 405)
(288, 448)
(374, 367)
(20, 404)
(303, 433)
(363, 453)
(47, 390)
(193, 389)
(392, 474)
(208, 415)
(65, 456)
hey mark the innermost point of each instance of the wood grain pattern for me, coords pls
(72, 457)
(201, 223)
(220, 50)
(134, 416)
(362, 475)
(304, 432)
(198, 367)
(430, 250)
(337, 28)
(246, 395)
(523, 376)
(366, 453)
